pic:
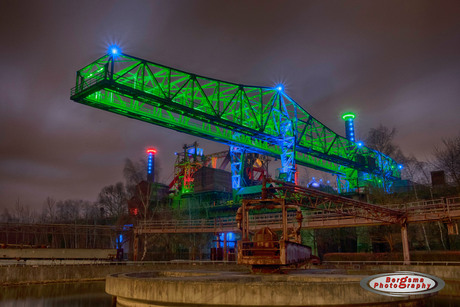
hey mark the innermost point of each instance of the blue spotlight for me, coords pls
(279, 87)
(400, 166)
(114, 50)
(360, 144)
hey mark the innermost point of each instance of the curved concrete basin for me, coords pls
(211, 288)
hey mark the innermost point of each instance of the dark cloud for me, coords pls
(392, 62)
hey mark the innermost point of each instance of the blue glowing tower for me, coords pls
(349, 125)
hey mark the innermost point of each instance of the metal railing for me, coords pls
(87, 83)
(111, 263)
(268, 219)
(442, 207)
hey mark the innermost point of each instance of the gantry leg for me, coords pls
(288, 169)
(237, 166)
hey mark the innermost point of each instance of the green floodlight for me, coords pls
(348, 116)
(247, 122)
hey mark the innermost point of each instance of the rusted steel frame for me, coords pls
(340, 200)
(328, 205)
(242, 215)
(405, 244)
(284, 252)
(298, 193)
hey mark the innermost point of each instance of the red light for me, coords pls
(152, 151)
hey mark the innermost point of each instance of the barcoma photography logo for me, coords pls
(402, 283)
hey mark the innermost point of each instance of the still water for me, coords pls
(57, 294)
(92, 294)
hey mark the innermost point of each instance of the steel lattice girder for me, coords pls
(237, 159)
(234, 114)
(288, 151)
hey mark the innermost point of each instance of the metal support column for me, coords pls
(405, 244)
(288, 169)
(237, 166)
(225, 247)
(136, 247)
(285, 221)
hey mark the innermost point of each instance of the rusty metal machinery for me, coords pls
(263, 250)
(189, 162)
(317, 200)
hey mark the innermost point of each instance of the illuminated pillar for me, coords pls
(288, 169)
(151, 164)
(349, 126)
(237, 166)
(225, 258)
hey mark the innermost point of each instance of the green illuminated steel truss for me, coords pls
(259, 119)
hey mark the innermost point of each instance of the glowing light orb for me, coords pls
(114, 50)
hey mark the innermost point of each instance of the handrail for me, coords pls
(87, 83)
(273, 218)
(443, 206)
(117, 263)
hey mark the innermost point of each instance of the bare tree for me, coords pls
(49, 210)
(6, 217)
(23, 214)
(134, 173)
(381, 139)
(90, 212)
(447, 158)
(113, 198)
(146, 192)
(67, 211)
(415, 170)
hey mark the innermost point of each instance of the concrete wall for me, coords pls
(226, 289)
(57, 253)
(25, 274)
(21, 274)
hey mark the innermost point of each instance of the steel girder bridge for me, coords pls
(256, 119)
(445, 210)
(322, 211)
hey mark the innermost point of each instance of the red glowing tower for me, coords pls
(151, 165)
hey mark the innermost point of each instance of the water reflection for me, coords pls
(92, 294)
(59, 294)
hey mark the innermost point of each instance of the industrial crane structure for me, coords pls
(250, 119)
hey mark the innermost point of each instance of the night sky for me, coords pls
(395, 63)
